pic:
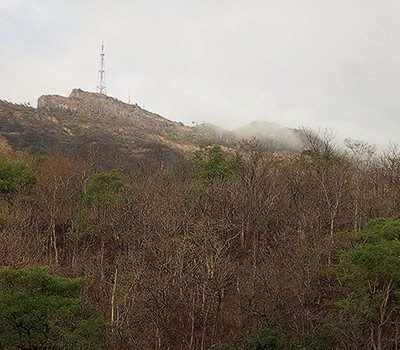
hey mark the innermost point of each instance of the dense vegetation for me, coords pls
(230, 250)
(38, 310)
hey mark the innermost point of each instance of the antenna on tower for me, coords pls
(101, 84)
(129, 96)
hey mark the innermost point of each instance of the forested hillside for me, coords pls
(239, 248)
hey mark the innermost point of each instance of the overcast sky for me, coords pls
(320, 63)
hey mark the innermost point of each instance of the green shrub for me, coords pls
(266, 340)
(14, 175)
(41, 310)
(211, 162)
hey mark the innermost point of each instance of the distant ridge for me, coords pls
(85, 121)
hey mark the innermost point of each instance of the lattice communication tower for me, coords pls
(101, 83)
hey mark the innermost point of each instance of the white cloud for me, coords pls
(319, 63)
(10, 4)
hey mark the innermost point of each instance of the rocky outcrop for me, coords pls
(103, 109)
(96, 105)
(129, 122)
(53, 102)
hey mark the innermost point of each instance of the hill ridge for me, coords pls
(87, 119)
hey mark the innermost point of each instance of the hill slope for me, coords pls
(88, 123)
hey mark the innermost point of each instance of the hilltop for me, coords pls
(90, 124)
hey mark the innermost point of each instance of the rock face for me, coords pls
(130, 126)
(98, 106)
(89, 104)
(97, 110)
(52, 102)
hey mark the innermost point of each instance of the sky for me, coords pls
(324, 64)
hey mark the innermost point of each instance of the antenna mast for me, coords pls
(101, 87)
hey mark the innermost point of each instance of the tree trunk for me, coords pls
(114, 288)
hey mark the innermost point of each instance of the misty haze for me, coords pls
(199, 175)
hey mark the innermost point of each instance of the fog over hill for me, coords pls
(86, 118)
(274, 135)
(62, 120)
(229, 63)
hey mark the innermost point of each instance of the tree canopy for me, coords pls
(42, 310)
(369, 277)
(211, 162)
(14, 175)
(102, 191)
